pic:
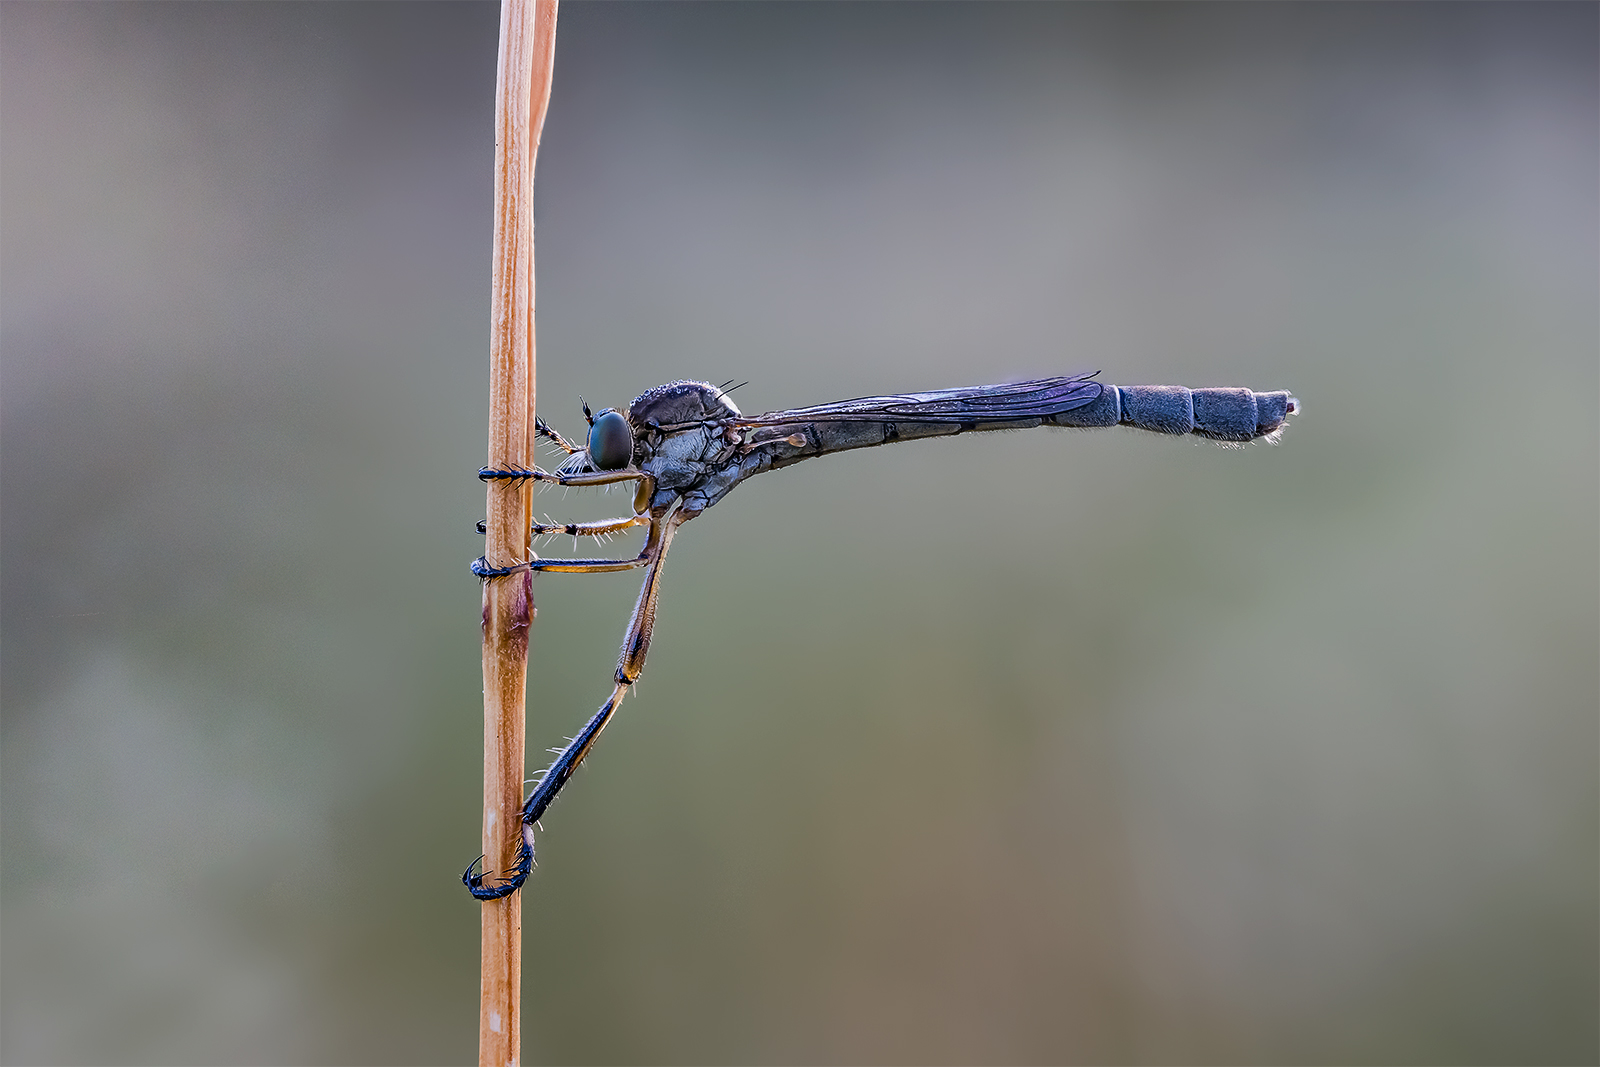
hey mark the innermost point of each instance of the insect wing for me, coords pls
(1033, 399)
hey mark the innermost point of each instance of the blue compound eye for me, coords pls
(610, 442)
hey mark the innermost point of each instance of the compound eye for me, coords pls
(610, 442)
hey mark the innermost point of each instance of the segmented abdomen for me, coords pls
(1220, 414)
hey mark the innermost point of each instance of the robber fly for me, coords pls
(683, 446)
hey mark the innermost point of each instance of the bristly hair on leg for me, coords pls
(576, 463)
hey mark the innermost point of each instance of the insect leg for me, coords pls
(482, 569)
(543, 429)
(581, 529)
(589, 529)
(629, 666)
(644, 489)
(514, 474)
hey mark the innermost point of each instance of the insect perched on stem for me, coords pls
(685, 445)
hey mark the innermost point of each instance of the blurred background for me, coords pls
(1041, 747)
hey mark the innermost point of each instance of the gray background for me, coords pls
(1027, 747)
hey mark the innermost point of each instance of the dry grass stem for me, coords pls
(527, 51)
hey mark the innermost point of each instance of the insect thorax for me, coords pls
(680, 402)
(679, 429)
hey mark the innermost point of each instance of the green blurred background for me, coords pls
(1018, 748)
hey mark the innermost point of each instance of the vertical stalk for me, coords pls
(522, 93)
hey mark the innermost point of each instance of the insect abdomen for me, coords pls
(1220, 414)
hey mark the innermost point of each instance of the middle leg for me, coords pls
(590, 529)
(647, 554)
(598, 528)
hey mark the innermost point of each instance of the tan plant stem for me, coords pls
(527, 51)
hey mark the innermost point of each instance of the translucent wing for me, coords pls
(980, 403)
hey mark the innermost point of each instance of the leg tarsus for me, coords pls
(543, 429)
(478, 884)
(556, 776)
(513, 473)
(482, 568)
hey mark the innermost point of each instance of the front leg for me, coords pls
(644, 488)
(522, 474)
(543, 429)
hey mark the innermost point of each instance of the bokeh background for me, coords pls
(1042, 747)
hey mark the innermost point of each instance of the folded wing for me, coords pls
(1034, 399)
